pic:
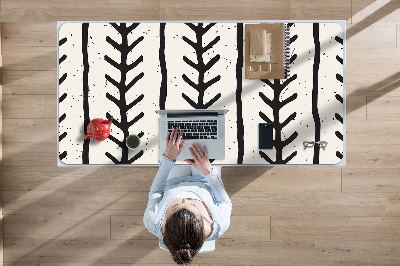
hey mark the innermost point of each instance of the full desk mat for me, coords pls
(129, 70)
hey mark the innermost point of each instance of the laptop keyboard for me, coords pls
(196, 129)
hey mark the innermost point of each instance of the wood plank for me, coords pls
(1, 156)
(384, 60)
(241, 227)
(50, 226)
(367, 84)
(278, 179)
(30, 58)
(393, 204)
(363, 155)
(245, 203)
(24, 106)
(356, 108)
(378, 264)
(308, 204)
(368, 12)
(223, 10)
(79, 178)
(373, 132)
(148, 251)
(384, 36)
(29, 34)
(340, 9)
(33, 202)
(363, 252)
(29, 154)
(88, 10)
(335, 228)
(30, 82)
(21, 264)
(248, 227)
(371, 180)
(40, 130)
(314, 264)
(383, 108)
(1, 160)
(1, 238)
(129, 227)
(358, 5)
(110, 203)
(1, 66)
(110, 264)
(261, 252)
(84, 251)
(51, 106)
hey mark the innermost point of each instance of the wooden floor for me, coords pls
(281, 215)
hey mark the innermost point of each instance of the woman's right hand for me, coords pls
(201, 161)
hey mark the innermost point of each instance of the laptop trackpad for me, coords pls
(209, 146)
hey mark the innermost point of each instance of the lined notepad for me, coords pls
(267, 51)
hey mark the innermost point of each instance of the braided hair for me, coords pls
(184, 235)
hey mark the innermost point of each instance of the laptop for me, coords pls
(204, 127)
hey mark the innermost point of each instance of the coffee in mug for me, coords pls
(132, 142)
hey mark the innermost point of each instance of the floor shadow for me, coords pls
(36, 147)
(235, 178)
(49, 242)
(373, 18)
(94, 176)
(33, 147)
(380, 88)
(134, 259)
(33, 61)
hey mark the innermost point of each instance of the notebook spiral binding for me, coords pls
(286, 50)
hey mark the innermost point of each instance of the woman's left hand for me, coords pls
(174, 147)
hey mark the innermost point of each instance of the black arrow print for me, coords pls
(62, 97)
(201, 86)
(276, 106)
(124, 48)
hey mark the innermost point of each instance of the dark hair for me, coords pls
(184, 235)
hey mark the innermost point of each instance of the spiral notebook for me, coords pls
(267, 51)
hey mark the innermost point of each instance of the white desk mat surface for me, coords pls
(129, 70)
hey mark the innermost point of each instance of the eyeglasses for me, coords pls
(321, 144)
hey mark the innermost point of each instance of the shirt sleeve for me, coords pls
(156, 194)
(224, 204)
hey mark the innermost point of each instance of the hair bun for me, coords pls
(183, 254)
(184, 246)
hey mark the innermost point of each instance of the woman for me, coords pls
(184, 210)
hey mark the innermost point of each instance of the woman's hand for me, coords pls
(172, 149)
(201, 161)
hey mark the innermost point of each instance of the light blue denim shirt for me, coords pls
(209, 188)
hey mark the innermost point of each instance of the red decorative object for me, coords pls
(99, 129)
